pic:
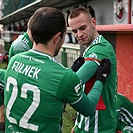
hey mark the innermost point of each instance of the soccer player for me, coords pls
(124, 107)
(37, 86)
(124, 110)
(21, 44)
(83, 26)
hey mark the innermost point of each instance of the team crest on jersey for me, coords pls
(93, 55)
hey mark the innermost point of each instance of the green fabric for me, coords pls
(42, 85)
(21, 44)
(100, 48)
(87, 104)
(124, 110)
(87, 71)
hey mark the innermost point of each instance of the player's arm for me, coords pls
(84, 70)
(74, 95)
(87, 104)
(94, 95)
(87, 70)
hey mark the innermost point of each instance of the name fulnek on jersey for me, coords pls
(27, 70)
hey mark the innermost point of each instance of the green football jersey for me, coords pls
(2, 85)
(101, 121)
(124, 110)
(36, 89)
(21, 44)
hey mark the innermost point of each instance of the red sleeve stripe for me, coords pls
(93, 59)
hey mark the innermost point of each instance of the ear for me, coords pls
(57, 37)
(93, 21)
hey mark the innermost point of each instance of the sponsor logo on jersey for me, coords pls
(93, 55)
(78, 87)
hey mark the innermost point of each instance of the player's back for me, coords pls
(34, 79)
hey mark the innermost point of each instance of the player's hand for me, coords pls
(103, 70)
(77, 64)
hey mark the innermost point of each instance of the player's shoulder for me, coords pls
(60, 67)
(19, 41)
(66, 71)
(14, 57)
(70, 75)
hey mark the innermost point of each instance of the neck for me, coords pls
(96, 34)
(47, 49)
(29, 34)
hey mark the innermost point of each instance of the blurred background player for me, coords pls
(124, 110)
(21, 44)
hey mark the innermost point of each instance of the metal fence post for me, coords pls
(64, 57)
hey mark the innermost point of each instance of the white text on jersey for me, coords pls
(30, 71)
